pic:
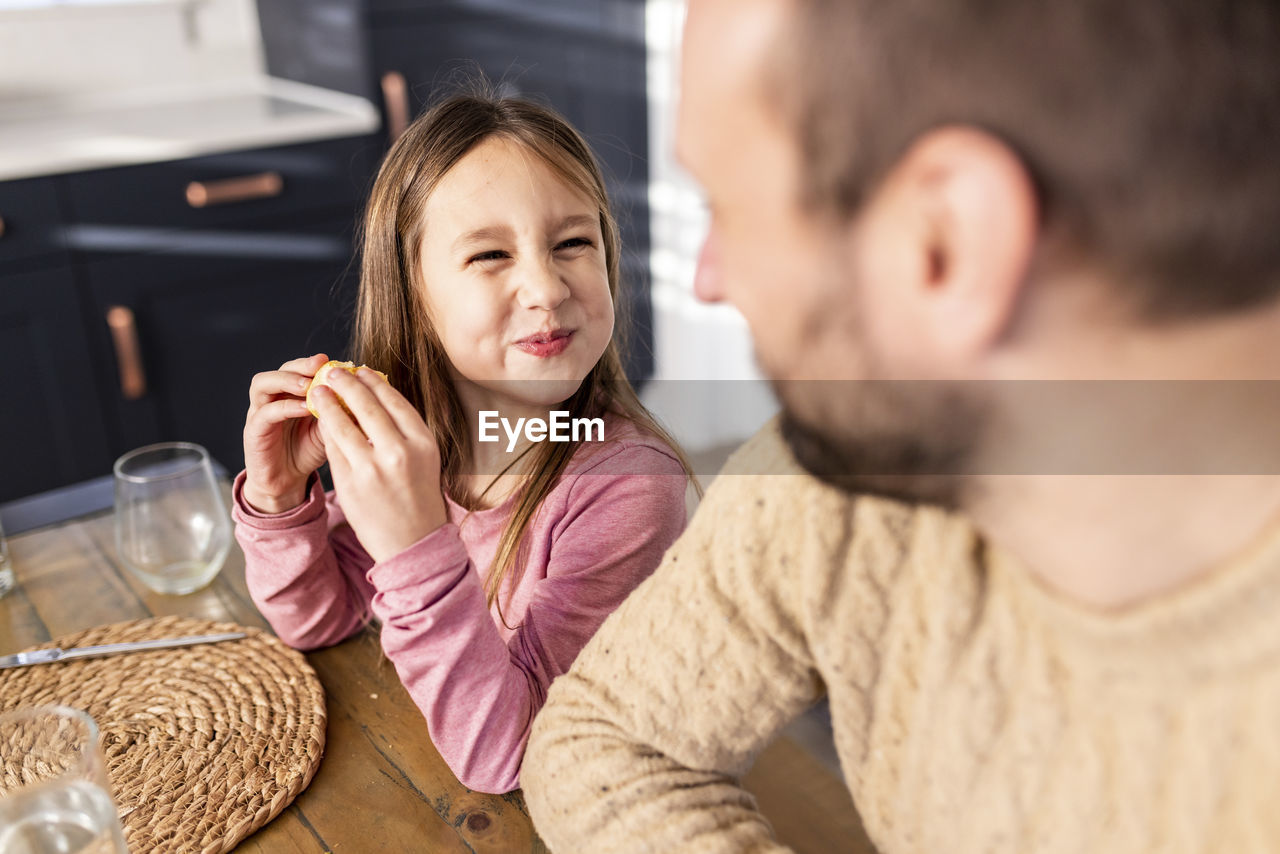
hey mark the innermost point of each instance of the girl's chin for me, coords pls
(537, 391)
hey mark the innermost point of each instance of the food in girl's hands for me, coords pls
(322, 378)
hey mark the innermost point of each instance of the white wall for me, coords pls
(706, 388)
(69, 49)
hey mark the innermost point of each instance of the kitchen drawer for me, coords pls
(201, 192)
(32, 225)
(110, 253)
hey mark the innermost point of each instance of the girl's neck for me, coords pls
(497, 467)
(486, 478)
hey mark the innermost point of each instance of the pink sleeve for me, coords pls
(478, 693)
(305, 569)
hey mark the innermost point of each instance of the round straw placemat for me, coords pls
(204, 744)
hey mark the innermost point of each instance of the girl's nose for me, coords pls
(541, 286)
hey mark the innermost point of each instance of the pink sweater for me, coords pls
(599, 533)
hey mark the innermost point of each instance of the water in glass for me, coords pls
(172, 527)
(62, 816)
(54, 793)
(6, 570)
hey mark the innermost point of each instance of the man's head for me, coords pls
(968, 190)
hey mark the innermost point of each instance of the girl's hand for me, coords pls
(388, 483)
(282, 444)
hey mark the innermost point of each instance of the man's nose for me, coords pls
(541, 286)
(708, 285)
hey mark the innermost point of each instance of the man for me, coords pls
(980, 245)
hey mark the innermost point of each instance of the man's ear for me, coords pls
(974, 206)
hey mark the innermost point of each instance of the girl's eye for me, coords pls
(491, 255)
(574, 243)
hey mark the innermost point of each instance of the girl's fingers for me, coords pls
(339, 463)
(341, 435)
(406, 419)
(266, 386)
(293, 377)
(307, 365)
(278, 411)
(368, 410)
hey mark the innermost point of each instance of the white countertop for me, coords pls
(70, 134)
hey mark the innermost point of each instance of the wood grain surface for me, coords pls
(382, 786)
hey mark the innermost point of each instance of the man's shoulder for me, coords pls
(765, 453)
(764, 465)
(823, 568)
(763, 490)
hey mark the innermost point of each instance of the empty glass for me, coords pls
(6, 569)
(54, 795)
(172, 527)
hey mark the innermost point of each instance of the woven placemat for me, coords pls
(204, 744)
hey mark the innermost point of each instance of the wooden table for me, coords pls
(382, 786)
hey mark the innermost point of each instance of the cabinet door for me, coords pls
(321, 42)
(51, 430)
(612, 18)
(206, 323)
(30, 225)
(594, 75)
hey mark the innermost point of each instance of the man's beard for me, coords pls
(905, 440)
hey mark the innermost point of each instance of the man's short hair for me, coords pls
(1151, 128)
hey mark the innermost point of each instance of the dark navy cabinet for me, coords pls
(51, 417)
(30, 225)
(206, 322)
(136, 303)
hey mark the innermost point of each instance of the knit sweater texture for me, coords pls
(973, 709)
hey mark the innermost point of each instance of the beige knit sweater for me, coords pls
(973, 710)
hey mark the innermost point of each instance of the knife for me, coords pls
(47, 656)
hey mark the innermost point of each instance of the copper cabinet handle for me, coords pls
(395, 94)
(124, 334)
(1, 226)
(226, 191)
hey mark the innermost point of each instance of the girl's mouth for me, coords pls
(546, 344)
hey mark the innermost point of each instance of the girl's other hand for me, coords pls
(282, 443)
(388, 483)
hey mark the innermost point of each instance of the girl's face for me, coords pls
(513, 265)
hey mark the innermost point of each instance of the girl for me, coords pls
(489, 284)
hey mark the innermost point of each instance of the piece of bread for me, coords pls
(322, 378)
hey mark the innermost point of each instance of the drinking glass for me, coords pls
(6, 569)
(172, 527)
(54, 795)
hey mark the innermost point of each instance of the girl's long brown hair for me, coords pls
(394, 331)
